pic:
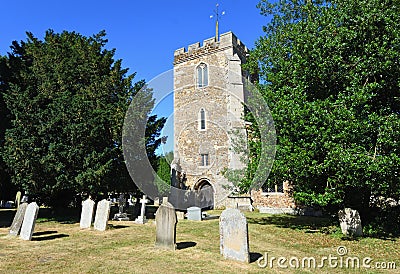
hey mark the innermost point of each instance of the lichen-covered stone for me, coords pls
(234, 241)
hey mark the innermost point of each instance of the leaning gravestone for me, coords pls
(166, 226)
(234, 235)
(102, 215)
(350, 222)
(18, 219)
(28, 226)
(87, 213)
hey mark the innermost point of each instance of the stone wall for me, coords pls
(273, 199)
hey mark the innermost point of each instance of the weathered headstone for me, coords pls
(141, 219)
(87, 213)
(102, 215)
(350, 222)
(28, 225)
(180, 215)
(166, 226)
(194, 213)
(18, 198)
(18, 219)
(157, 201)
(233, 231)
(165, 200)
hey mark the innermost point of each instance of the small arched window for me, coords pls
(202, 75)
(202, 121)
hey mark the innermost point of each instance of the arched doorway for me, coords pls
(204, 194)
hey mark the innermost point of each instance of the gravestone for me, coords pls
(121, 215)
(166, 226)
(234, 241)
(156, 201)
(165, 200)
(87, 213)
(18, 198)
(180, 215)
(18, 219)
(102, 215)
(194, 213)
(350, 222)
(141, 219)
(28, 225)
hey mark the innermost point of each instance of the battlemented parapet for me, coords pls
(210, 46)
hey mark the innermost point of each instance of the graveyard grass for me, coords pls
(60, 246)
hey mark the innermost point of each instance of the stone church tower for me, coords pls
(208, 97)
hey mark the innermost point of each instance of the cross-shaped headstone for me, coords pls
(141, 219)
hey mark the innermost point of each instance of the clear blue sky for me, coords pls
(145, 34)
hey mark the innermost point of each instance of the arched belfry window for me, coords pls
(202, 120)
(202, 75)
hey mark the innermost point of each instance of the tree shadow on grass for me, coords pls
(308, 223)
(6, 217)
(111, 226)
(254, 256)
(183, 245)
(62, 216)
(50, 235)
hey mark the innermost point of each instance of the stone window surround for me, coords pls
(204, 160)
(205, 68)
(202, 119)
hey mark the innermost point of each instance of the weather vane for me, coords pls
(217, 16)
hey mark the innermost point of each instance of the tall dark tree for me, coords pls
(68, 98)
(153, 140)
(7, 189)
(330, 72)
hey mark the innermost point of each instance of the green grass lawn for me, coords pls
(60, 246)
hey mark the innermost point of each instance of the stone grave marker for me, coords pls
(350, 222)
(102, 215)
(194, 213)
(28, 225)
(180, 215)
(18, 198)
(87, 213)
(141, 219)
(18, 219)
(166, 226)
(121, 215)
(234, 241)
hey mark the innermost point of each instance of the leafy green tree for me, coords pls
(330, 73)
(68, 98)
(163, 181)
